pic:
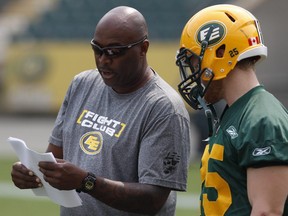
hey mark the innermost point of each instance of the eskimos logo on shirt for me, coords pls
(91, 143)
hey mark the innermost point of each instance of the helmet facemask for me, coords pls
(191, 87)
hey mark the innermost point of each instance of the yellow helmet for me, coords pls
(224, 26)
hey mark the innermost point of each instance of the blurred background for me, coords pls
(45, 43)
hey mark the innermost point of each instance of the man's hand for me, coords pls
(62, 175)
(24, 178)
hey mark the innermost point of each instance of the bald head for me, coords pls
(122, 22)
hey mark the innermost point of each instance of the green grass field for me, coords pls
(13, 205)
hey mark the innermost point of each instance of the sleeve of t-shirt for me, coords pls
(164, 152)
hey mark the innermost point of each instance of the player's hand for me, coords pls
(62, 175)
(24, 178)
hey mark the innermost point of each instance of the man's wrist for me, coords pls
(88, 183)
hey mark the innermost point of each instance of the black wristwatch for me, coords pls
(88, 183)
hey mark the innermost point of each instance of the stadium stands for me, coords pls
(73, 19)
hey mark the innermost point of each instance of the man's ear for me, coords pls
(144, 47)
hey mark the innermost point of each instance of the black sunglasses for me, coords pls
(113, 51)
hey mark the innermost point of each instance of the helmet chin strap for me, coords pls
(209, 110)
(210, 114)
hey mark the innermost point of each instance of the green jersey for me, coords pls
(253, 132)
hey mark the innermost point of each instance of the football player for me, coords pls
(244, 168)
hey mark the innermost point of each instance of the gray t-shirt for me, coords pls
(143, 136)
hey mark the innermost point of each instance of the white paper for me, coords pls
(30, 158)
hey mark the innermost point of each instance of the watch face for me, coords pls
(89, 182)
(89, 185)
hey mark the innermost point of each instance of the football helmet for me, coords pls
(226, 27)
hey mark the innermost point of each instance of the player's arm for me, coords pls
(131, 197)
(267, 190)
(57, 151)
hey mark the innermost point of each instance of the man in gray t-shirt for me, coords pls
(123, 133)
(134, 137)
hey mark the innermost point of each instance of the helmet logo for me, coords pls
(217, 34)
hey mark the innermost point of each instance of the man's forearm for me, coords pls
(131, 197)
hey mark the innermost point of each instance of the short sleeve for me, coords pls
(164, 152)
(265, 143)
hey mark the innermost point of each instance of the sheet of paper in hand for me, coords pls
(31, 159)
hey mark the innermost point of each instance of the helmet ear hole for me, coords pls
(220, 51)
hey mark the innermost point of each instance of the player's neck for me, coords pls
(237, 83)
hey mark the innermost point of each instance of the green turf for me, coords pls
(32, 207)
(22, 207)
